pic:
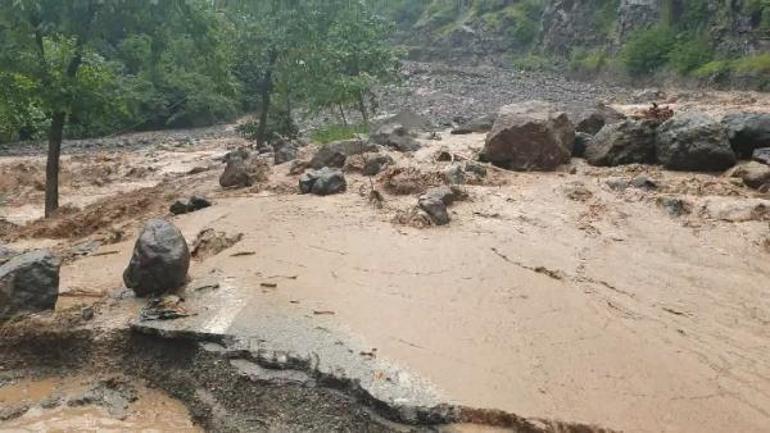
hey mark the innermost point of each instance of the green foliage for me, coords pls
(647, 50)
(689, 53)
(753, 65)
(335, 132)
(280, 126)
(534, 62)
(585, 61)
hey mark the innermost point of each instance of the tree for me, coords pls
(67, 55)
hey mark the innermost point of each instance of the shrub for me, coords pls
(647, 50)
(334, 132)
(534, 62)
(753, 65)
(714, 70)
(587, 61)
(279, 123)
(689, 54)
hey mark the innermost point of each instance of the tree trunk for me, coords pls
(362, 108)
(55, 135)
(266, 91)
(342, 114)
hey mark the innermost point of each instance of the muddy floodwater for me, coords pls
(57, 405)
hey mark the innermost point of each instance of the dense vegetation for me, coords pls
(82, 68)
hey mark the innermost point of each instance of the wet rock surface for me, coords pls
(194, 203)
(591, 120)
(397, 137)
(747, 131)
(530, 136)
(754, 174)
(29, 283)
(625, 142)
(695, 142)
(243, 169)
(160, 260)
(325, 181)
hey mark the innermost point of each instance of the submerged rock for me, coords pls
(479, 124)
(753, 174)
(375, 163)
(29, 283)
(160, 260)
(530, 136)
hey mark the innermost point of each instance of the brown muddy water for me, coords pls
(52, 406)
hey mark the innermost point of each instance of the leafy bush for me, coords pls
(714, 70)
(759, 64)
(689, 54)
(334, 132)
(587, 61)
(647, 50)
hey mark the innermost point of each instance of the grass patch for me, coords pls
(534, 62)
(647, 50)
(335, 132)
(585, 61)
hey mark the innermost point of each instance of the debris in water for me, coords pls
(243, 253)
(323, 312)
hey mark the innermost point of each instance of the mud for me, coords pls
(630, 298)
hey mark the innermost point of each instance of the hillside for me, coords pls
(718, 43)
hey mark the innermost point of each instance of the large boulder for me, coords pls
(375, 163)
(396, 136)
(591, 120)
(530, 136)
(29, 283)
(406, 118)
(693, 141)
(325, 181)
(243, 169)
(626, 142)
(160, 260)
(747, 131)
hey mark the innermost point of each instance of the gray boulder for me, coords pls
(406, 118)
(435, 201)
(375, 163)
(530, 136)
(592, 120)
(625, 142)
(478, 124)
(325, 181)
(160, 260)
(29, 283)
(327, 157)
(284, 151)
(695, 142)
(454, 174)
(396, 136)
(180, 207)
(747, 131)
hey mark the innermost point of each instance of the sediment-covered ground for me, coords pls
(628, 298)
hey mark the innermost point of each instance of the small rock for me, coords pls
(454, 175)
(735, 209)
(298, 167)
(674, 206)
(435, 208)
(160, 260)
(180, 207)
(376, 163)
(29, 283)
(644, 182)
(241, 173)
(577, 191)
(198, 202)
(477, 169)
(753, 174)
(478, 124)
(284, 151)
